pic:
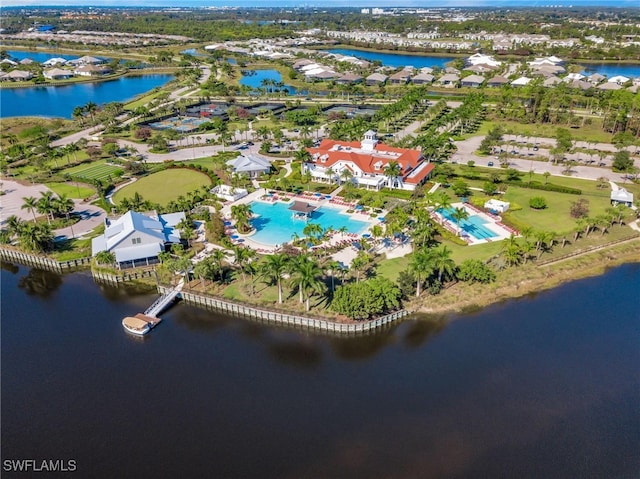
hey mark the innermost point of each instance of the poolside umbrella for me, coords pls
(317, 194)
(359, 207)
(367, 235)
(234, 237)
(380, 218)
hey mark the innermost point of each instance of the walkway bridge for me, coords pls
(164, 301)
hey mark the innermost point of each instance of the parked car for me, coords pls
(490, 163)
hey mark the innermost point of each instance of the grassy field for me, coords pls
(591, 132)
(164, 186)
(72, 190)
(98, 170)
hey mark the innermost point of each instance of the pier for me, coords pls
(142, 323)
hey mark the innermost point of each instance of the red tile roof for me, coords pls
(351, 151)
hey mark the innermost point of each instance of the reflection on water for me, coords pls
(535, 388)
(39, 282)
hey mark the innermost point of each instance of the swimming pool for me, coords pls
(473, 226)
(275, 224)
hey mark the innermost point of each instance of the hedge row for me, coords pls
(536, 185)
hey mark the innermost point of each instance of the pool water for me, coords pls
(276, 225)
(473, 226)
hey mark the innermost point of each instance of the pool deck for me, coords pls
(491, 222)
(336, 202)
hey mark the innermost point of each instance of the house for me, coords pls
(57, 74)
(472, 81)
(136, 239)
(87, 60)
(481, 59)
(19, 75)
(26, 61)
(479, 68)
(497, 81)
(619, 79)
(551, 81)
(52, 62)
(364, 163)
(573, 77)
(596, 78)
(422, 79)
(92, 70)
(522, 81)
(581, 84)
(400, 78)
(609, 86)
(450, 80)
(349, 79)
(621, 196)
(251, 166)
(375, 79)
(8, 61)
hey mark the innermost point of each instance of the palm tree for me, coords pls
(443, 263)
(14, 225)
(31, 204)
(359, 263)
(91, 108)
(202, 270)
(443, 201)
(512, 250)
(459, 214)
(242, 257)
(46, 204)
(78, 114)
(307, 274)
(392, 171)
(64, 205)
(422, 263)
(333, 266)
(345, 175)
(106, 257)
(274, 267)
(242, 214)
(330, 173)
(312, 230)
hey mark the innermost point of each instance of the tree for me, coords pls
(242, 257)
(443, 263)
(105, 257)
(30, 203)
(421, 265)
(307, 275)
(579, 208)
(46, 205)
(274, 268)
(242, 214)
(475, 271)
(622, 161)
(459, 214)
(363, 300)
(392, 170)
(489, 188)
(460, 187)
(312, 231)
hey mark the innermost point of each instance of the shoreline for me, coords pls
(536, 280)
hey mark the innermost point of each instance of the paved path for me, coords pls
(87, 133)
(90, 216)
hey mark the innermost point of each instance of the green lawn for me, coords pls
(591, 132)
(164, 186)
(98, 170)
(72, 190)
(556, 216)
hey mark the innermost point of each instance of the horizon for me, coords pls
(325, 4)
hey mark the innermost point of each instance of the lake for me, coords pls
(59, 101)
(37, 56)
(396, 60)
(544, 386)
(256, 78)
(612, 69)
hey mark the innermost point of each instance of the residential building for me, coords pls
(364, 163)
(57, 74)
(376, 79)
(136, 239)
(472, 81)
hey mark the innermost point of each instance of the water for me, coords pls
(612, 69)
(39, 57)
(255, 80)
(59, 101)
(473, 226)
(546, 386)
(396, 60)
(276, 225)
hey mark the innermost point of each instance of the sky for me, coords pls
(325, 3)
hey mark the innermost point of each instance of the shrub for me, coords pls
(536, 185)
(475, 271)
(537, 203)
(579, 209)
